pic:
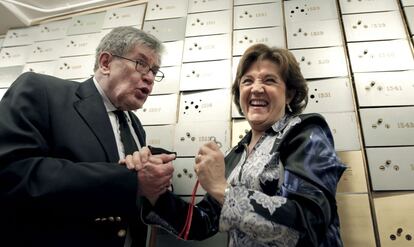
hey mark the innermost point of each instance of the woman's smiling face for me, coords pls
(263, 95)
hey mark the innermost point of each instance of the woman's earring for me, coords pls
(289, 108)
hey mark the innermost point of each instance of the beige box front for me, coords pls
(381, 56)
(78, 45)
(205, 75)
(14, 56)
(355, 220)
(407, 2)
(393, 126)
(2, 92)
(167, 29)
(344, 129)
(173, 53)
(8, 75)
(311, 34)
(271, 36)
(391, 168)
(354, 178)
(75, 67)
(409, 13)
(234, 111)
(126, 16)
(52, 30)
(207, 48)
(310, 10)
(209, 23)
(47, 68)
(330, 95)
(246, 2)
(159, 110)
(184, 177)
(171, 82)
(45, 51)
(240, 127)
(20, 36)
(160, 136)
(364, 6)
(374, 26)
(258, 15)
(195, 6)
(189, 137)
(163, 9)
(395, 214)
(205, 106)
(83, 24)
(385, 88)
(322, 62)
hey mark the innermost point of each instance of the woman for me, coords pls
(277, 186)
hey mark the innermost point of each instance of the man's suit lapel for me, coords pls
(92, 110)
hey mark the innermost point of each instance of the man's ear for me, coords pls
(104, 60)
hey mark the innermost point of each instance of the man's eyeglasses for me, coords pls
(142, 67)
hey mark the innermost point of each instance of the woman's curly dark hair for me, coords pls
(289, 70)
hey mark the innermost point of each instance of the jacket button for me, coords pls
(97, 219)
(118, 218)
(121, 233)
(111, 219)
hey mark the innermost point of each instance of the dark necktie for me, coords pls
(126, 136)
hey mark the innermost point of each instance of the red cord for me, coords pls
(186, 229)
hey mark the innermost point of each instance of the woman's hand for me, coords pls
(210, 170)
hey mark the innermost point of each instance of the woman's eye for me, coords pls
(246, 81)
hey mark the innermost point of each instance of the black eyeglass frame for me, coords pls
(145, 68)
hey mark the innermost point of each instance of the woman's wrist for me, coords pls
(221, 192)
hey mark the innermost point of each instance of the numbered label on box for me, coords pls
(322, 62)
(208, 5)
(394, 219)
(374, 26)
(259, 15)
(218, 22)
(14, 56)
(163, 9)
(211, 105)
(385, 88)
(393, 126)
(75, 67)
(126, 16)
(364, 6)
(207, 48)
(391, 168)
(310, 10)
(46, 68)
(21, 36)
(313, 34)
(52, 30)
(159, 110)
(166, 30)
(45, 51)
(243, 39)
(381, 56)
(330, 95)
(83, 24)
(205, 75)
(189, 137)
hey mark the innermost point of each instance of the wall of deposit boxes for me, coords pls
(356, 55)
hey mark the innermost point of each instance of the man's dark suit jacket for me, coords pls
(60, 184)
